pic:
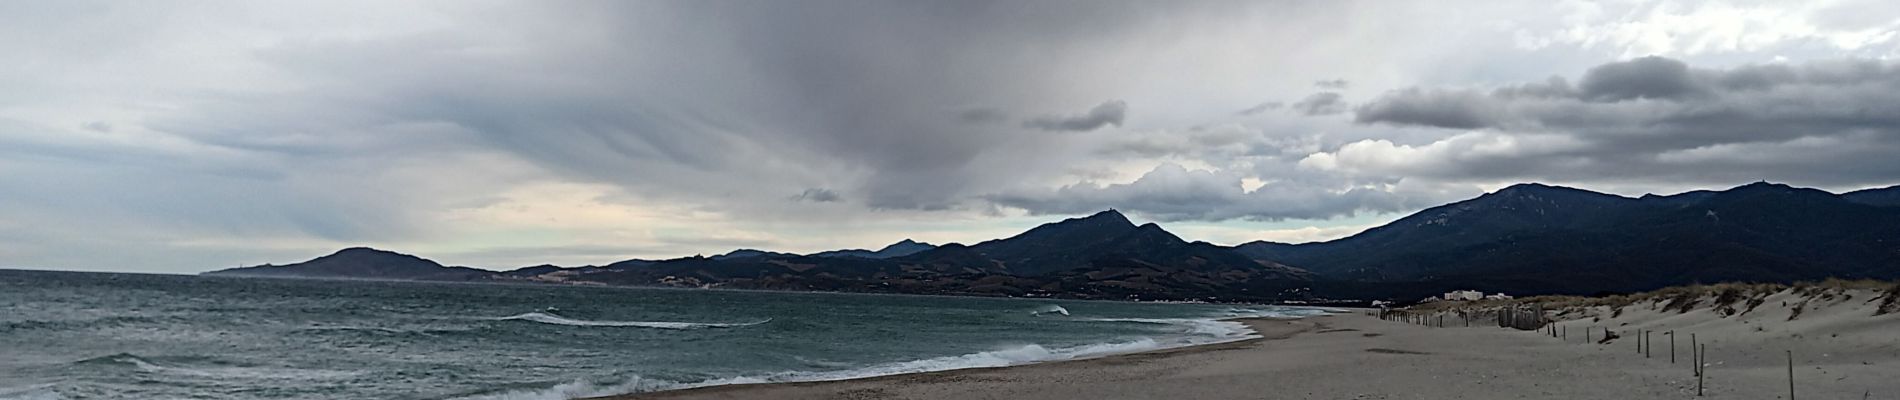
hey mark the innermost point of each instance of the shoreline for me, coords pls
(1264, 329)
(1355, 356)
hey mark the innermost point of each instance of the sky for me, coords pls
(177, 137)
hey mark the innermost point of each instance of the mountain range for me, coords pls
(1523, 239)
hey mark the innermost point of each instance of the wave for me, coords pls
(1280, 312)
(1050, 309)
(36, 392)
(366, 330)
(1209, 330)
(1193, 332)
(1028, 354)
(549, 318)
(216, 372)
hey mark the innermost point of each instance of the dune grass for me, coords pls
(1728, 299)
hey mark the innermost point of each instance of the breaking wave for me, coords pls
(214, 371)
(1021, 355)
(549, 318)
(1192, 332)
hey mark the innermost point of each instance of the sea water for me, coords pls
(69, 335)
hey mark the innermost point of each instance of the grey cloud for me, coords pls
(1108, 113)
(818, 195)
(1657, 119)
(1643, 78)
(1262, 107)
(1334, 84)
(1322, 103)
(1443, 108)
(982, 116)
(97, 126)
(845, 103)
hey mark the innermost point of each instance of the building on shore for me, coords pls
(1471, 295)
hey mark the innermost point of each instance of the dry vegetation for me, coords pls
(1728, 299)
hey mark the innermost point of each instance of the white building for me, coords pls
(1464, 295)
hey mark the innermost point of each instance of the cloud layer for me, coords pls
(180, 137)
(1650, 119)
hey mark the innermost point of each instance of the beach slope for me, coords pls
(1346, 356)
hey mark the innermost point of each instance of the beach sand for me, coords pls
(1353, 356)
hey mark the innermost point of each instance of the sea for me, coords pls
(75, 335)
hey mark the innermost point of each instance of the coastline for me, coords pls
(1354, 356)
(1264, 328)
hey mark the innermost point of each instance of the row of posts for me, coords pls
(1532, 319)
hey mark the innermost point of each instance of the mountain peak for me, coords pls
(1763, 185)
(1533, 188)
(1107, 216)
(361, 249)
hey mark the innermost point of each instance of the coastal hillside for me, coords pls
(1101, 256)
(365, 263)
(1538, 239)
(1527, 239)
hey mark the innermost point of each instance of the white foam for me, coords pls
(1020, 355)
(259, 373)
(547, 318)
(37, 392)
(1194, 332)
(1051, 309)
(1203, 331)
(577, 389)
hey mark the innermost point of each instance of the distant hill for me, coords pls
(1100, 256)
(1882, 197)
(363, 263)
(1542, 239)
(750, 253)
(1523, 239)
(899, 249)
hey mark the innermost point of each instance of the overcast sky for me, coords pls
(161, 136)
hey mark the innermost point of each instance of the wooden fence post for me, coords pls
(1695, 350)
(1790, 374)
(1672, 346)
(1704, 374)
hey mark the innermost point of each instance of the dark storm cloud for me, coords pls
(1322, 103)
(854, 97)
(1659, 119)
(1108, 113)
(1443, 108)
(1642, 78)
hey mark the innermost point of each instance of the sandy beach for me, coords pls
(1354, 356)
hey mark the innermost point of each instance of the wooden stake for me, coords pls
(1695, 354)
(1704, 374)
(1672, 346)
(1790, 374)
